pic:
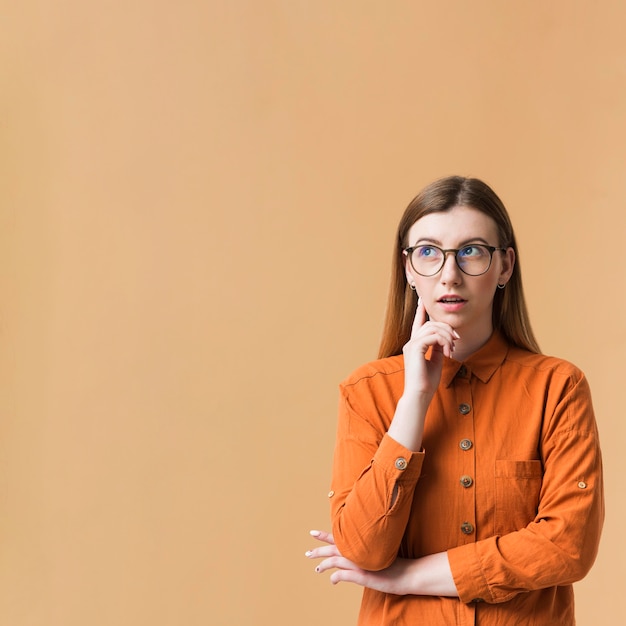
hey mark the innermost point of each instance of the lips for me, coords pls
(451, 300)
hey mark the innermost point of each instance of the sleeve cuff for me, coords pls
(468, 574)
(397, 461)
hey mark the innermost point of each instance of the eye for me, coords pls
(426, 252)
(472, 251)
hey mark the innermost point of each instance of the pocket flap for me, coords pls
(506, 468)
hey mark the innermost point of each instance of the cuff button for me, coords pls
(401, 463)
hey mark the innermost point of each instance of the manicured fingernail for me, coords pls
(456, 334)
(317, 569)
(308, 553)
(315, 533)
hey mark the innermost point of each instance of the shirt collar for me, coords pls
(482, 363)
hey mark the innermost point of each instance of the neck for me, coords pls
(471, 341)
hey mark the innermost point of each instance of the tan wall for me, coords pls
(197, 207)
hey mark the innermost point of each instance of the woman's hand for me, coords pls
(429, 575)
(394, 579)
(421, 375)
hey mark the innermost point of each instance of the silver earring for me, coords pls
(501, 286)
(412, 286)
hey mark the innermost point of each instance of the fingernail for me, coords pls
(308, 553)
(317, 569)
(315, 533)
(456, 334)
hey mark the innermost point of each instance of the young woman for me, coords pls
(467, 479)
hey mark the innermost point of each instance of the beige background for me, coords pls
(198, 202)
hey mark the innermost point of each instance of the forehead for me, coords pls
(454, 227)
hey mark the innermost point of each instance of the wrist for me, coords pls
(415, 401)
(431, 576)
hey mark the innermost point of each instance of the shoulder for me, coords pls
(381, 372)
(553, 373)
(542, 363)
(372, 390)
(553, 386)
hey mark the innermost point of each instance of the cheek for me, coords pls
(487, 288)
(422, 286)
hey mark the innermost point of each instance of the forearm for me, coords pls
(499, 568)
(430, 576)
(369, 516)
(426, 576)
(407, 426)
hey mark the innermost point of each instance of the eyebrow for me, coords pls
(463, 243)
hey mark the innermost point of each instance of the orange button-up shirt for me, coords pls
(509, 484)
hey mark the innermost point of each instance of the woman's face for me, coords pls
(451, 296)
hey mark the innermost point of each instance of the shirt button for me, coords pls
(466, 481)
(465, 444)
(582, 485)
(467, 528)
(462, 371)
(401, 463)
(477, 600)
(464, 408)
(331, 493)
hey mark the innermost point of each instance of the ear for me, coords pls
(407, 270)
(508, 263)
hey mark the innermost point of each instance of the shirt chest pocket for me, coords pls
(518, 484)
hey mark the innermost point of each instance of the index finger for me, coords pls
(420, 317)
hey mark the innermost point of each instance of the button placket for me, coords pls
(466, 450)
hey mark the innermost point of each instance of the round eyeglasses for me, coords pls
(473, 259)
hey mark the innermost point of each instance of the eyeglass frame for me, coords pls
(409, 253)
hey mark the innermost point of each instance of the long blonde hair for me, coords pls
(510, 315)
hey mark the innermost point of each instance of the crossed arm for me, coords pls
(429, 575)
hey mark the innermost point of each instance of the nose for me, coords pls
(450, 272)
